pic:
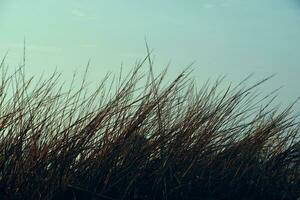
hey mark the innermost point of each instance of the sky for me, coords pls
(224, 37)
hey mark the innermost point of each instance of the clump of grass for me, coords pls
(144, 141)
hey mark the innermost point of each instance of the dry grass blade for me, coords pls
(144, 140)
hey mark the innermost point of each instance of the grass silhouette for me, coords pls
(144, 140)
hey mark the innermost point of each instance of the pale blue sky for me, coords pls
(231, 37)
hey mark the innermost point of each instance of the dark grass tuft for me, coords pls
(144, 141)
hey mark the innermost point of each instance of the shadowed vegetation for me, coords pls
(144, 140)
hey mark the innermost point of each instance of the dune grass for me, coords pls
(138, 138)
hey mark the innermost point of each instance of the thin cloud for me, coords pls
(82, 14)
(78, 13)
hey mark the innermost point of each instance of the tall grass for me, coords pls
(144, 140)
